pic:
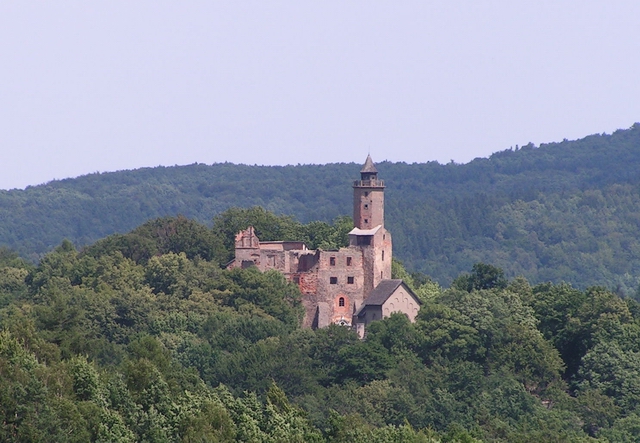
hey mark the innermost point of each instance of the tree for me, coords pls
(482, 276)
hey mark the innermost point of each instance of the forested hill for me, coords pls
(561, 211)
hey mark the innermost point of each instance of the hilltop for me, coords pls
(567, 211)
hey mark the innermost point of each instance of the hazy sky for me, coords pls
(90, 86)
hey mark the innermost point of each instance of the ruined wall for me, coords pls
(336, 275)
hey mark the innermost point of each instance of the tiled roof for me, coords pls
(382, 292)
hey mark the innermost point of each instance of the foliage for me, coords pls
(556, 212)
(482, 276)
(104, 345)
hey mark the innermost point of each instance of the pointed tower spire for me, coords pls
(368, 166)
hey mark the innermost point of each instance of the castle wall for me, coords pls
(381, 256)
(401, 301)
(333, 279)
(372, 313)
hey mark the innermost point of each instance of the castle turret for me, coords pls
(368, 198)
(369, 233)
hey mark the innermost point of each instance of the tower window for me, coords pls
(350, 280)
(382, 255)
(348, 261)
(366, 220)
(332, 261)
(341, 301)
(366, 206)
(333, 280)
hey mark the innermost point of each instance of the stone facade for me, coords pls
(388, 297)
(334, 283)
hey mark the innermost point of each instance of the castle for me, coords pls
(350, 286)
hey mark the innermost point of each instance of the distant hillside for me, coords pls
(561, 211)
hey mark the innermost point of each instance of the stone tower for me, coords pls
(369, 234)
(368, 198)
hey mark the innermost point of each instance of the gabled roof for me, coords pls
(368, 165)
(383, 291)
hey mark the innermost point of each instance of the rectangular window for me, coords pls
(333, 280)
(348, 261)
(350, 280)
(382, 255)
(332, 261)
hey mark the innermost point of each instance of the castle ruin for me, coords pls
(349, 286)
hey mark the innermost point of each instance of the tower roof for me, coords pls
(368, 165)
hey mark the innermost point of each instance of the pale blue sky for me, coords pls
(109, 85)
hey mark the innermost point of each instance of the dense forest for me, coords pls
(566, 211)
(144, 337)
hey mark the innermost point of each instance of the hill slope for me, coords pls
(561, 211)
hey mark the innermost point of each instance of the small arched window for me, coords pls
(341, 301)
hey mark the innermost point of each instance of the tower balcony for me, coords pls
(368, 184)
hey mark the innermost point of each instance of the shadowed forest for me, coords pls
(566, 211)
